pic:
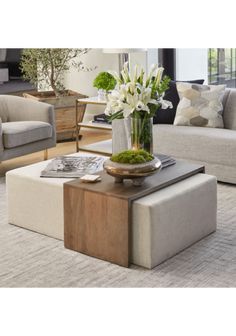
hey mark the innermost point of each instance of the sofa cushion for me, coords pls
(167, 116)
(200, 105)
(19, 133)
(212, 145)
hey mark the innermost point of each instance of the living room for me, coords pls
(117, 181)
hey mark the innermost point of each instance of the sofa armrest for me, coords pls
(229, 113)
(1, 144)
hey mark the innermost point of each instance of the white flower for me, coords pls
(154, 67)
(145, 95)
(165, 104)
(159, 76)
(116, 76)
(140, 106)
(130, 95)
(131, 87)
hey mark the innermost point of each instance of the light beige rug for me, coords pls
(28, 259)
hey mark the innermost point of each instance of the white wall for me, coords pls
(139, 58)
(152, 57)
(192, 64)
(82, 82)
(145, 58)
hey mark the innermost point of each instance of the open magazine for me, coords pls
(73, 166)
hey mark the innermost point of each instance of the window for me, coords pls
(222, 66)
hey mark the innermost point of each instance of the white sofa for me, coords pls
(215, 148)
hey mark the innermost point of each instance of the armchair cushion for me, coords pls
(19, 133)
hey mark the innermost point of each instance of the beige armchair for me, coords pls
(26, 126)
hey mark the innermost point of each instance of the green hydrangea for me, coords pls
(132, 157)
(104, 81)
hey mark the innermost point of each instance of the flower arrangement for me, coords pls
(137, 94)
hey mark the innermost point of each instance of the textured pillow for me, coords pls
(200, 105)
(168, 116)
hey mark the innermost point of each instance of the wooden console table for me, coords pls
(97, 217)
(101, 147)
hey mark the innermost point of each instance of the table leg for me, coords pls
(79, 116)
(96, 225)
(77, 130)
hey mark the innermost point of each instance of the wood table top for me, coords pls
(167, 176)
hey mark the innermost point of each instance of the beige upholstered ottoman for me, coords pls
(164, 223)
(171, 219)
(36, 203)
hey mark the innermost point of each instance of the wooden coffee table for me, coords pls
(97, 217)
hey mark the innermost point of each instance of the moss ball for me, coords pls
(132, 157)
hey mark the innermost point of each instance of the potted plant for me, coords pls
(104, 82)
(132, 164)
(47, 67)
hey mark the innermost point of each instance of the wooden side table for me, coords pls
(80, 111)
(97, 217)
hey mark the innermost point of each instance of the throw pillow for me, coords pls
(200, 105)
(168, 116)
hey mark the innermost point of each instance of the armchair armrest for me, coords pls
(23, 109)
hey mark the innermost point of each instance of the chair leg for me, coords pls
(45, 154)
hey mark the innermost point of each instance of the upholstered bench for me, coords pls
(164, 222)
(171, 219)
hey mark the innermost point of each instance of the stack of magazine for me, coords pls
(73, 166)
(165, 160)
(101, 118)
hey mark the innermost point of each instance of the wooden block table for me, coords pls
(97, 217)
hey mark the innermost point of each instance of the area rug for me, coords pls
(28, 259)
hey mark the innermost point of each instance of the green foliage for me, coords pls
(116, 115)
(164, 85)
(132, 157)
(48, 66)
(104, 81)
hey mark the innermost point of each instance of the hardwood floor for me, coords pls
(62, 148)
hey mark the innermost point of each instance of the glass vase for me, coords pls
(141, 133)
